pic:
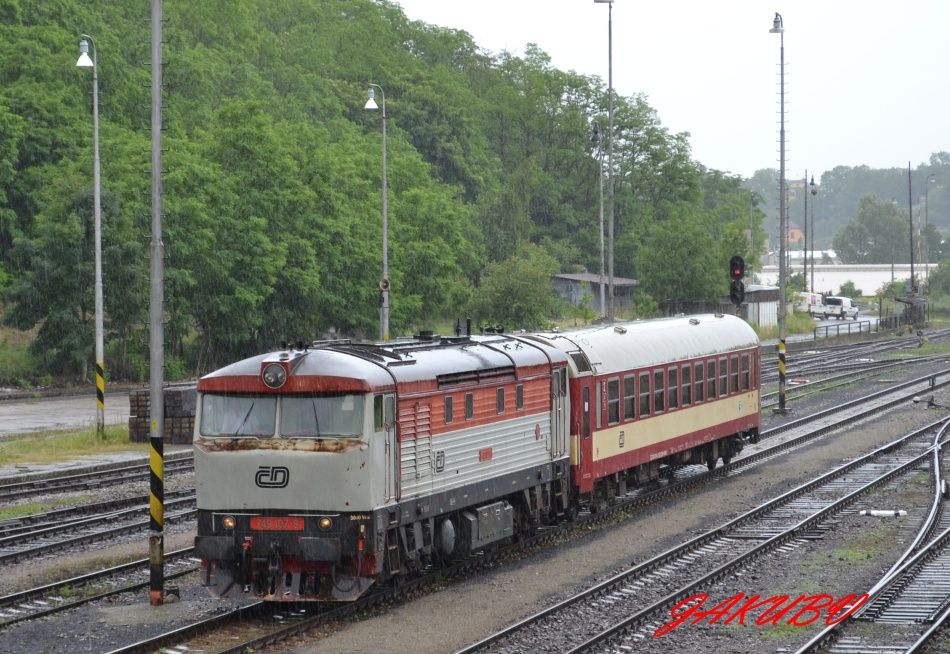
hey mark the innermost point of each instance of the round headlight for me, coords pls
(274, 375)
(325, 523)
(228, 522)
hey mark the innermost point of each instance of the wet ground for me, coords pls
(23, 416)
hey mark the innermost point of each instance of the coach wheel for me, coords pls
(710, 462)
(726, 458)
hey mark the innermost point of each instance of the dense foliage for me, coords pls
(272, 178)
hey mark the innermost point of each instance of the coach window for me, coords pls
(723, 377)
(674, 400)
(734, 373)
(500, 400)
(744, 380)
(711, 379)
(659, 385)
(699, 382)
(687, 385)
(448, 409)
(629, 397)
(613, 401)
(519, 396)
(469, 406)
(644, 394)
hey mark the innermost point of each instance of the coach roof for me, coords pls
(628, 345)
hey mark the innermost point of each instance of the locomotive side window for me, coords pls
(734, 374)
(674, 389)
(744, 379)
(469, 406)
(644, 394)
(336, 416)
(519, 396)
(384, 411)
(613, 401)
(659, 385)
(699, 382)
(687, 385)
(711, 379)
(629, 397)
(448, 409)
(500, 400)
(378, 412)
(238, 415)
(723, 377)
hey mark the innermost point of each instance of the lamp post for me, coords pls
(926, 250)
(814, 192)
(86, 62)
(778, 28)
(610, 156)
(910, 218)
(600, 164)
(805, 244)
(384, 282)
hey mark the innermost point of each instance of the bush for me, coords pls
(17, 366)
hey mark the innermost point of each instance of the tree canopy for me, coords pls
(272, 179)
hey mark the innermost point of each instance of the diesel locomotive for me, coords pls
(322, 470)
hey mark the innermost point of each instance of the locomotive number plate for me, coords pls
(263, 523)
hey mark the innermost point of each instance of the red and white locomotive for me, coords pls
(321, 471)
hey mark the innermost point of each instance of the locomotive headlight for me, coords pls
(325, 523)
(228, 522)
(274, 375)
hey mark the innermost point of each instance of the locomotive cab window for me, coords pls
(321, 416)
(384, 411)
(238, 416)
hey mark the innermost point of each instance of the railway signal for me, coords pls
(736, 288)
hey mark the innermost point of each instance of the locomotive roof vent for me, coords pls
(694, 321)
(620, 330)
(426, 336)
(717, 315)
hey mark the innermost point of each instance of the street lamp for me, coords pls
(778, 28)
(384, 282)
(610, 155)
(600, 163)
(86, 62)
(814, 192)
(930, 178)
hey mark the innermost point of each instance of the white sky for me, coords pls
(867, 81)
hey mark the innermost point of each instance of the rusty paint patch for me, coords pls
(338, 445)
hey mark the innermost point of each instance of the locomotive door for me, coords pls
(558, 436)
(386, 428)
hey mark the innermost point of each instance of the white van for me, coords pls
(840, 307)
(811, 303)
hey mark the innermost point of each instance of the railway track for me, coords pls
(611, 616)
(911, 602)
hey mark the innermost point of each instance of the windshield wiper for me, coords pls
(316, 420)
(244, 422)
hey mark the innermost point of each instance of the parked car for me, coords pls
(840, 308)
(811, 303)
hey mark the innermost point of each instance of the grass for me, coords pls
(49, 447)
(12, 512)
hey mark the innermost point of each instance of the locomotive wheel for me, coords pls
(711, 462)
(726, 458)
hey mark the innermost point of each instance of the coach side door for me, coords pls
(559, 413)
(385, 426)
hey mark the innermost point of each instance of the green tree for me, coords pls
(878, 234)
(517, 292)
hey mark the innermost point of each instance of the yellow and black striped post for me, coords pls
(100, 400)
(156, 526)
